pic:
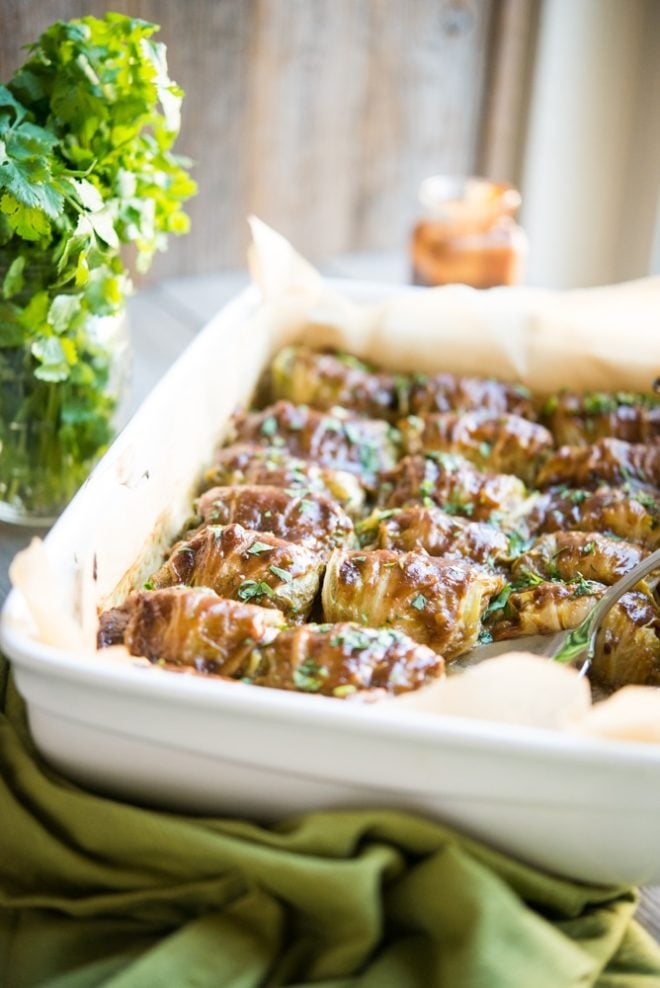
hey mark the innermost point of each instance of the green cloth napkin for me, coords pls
(98, 892)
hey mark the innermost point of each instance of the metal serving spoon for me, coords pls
(579, 643)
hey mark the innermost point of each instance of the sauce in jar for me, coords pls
(468, 234)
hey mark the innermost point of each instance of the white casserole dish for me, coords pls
(585, 808)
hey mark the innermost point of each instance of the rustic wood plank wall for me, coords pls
(319, 115)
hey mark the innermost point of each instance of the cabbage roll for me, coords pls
(254, 567)
(338, 440)
(328, 380)
(250, 463)
(343, 659)
(499, 442)
(571, 555)
(303, 517)
(608, 461)
(580, 420)
(452, 393)
(438, 602)
(192, 627)
(435, 531)
(453, 484)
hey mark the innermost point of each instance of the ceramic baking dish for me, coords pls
(582, 807)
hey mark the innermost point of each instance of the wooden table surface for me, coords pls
(164, 319)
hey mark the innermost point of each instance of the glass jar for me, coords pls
(53, 431)
(468, 233)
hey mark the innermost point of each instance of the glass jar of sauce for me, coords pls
(468, 233)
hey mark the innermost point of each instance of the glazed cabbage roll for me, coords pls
(569, 555)
(435, 531)
(343, 659)
(438, 602)
(541, 609)
(246, 566)
(630, 515)
(500, 442)
(303, 517)
(452, 393)
(579, 420)
(191, 627)
(250, 463)
(628, 644)
(338, 439)
(453, 484)
(327, 380)
(608, 461)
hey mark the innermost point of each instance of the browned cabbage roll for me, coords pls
(190, 627)
(329, 380)
(343, 659)
(250, 463)
(541, 609)
(500, 442)
(630, 515)
(579, 420)
(451, 393)
(435, 531)
(628, 644)
(570, 555)
(453, 484)
(338, 439)
(608, 461)
(438, 602)
(303, 517)
(247, 566)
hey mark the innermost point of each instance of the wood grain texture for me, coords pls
(322, 116)
(514, 28)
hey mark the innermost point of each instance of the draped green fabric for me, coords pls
(98, 892)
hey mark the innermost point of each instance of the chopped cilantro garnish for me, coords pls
(309, 676)
(584, 588)
(346, 689)
(257, 548)
(253, 588)
(499, 602)
(269, 426)
(599, 403)
(419, 602)
(348, 360)
(527, 579)
(282, 574)
(368, 457)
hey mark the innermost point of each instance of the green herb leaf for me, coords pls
(257, 548)
(269, 426)
(419, 602)
(13, 281)
(309, 676)
(499, 602)
(253, 588)
(281, 574)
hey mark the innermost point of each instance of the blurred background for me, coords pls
(323, 117)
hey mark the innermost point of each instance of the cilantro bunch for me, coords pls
(86, 166)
